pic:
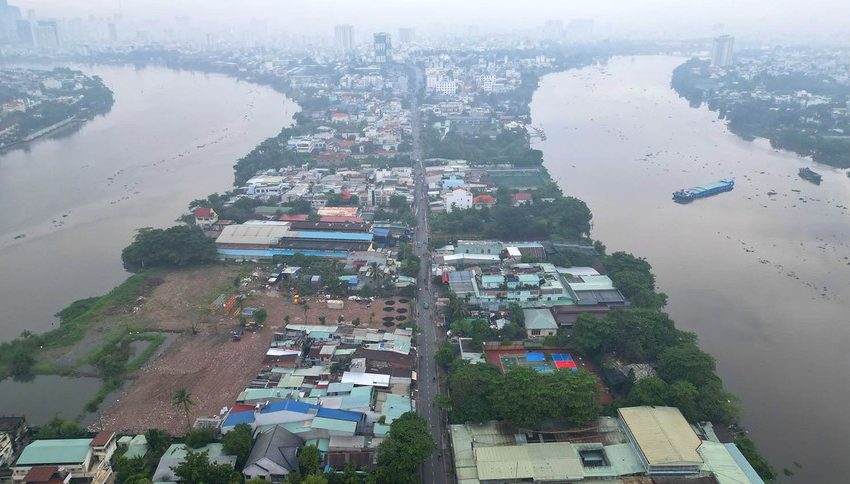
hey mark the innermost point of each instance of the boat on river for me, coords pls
(687, 195)
(807, 173)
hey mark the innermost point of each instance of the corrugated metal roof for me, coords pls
(334, 425)
(59, 451)
(539, 462)
(539, 319)
(663, 435)
(720, 462)
(331, 235)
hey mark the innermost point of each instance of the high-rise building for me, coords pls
(553, 29)
(383, 48)
(24, 28)
(721, 53)
(579, 30)
(9, 16)
(113, 31)
(344, 37)
(406, 35)
(47, 35)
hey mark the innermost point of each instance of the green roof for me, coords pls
(360, 397)
(381, 429)
(179, 451)
(539, 319)
(395, 406)
(334, 425)
(322, 444)
(59, 451)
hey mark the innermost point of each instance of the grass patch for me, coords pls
(18, 357)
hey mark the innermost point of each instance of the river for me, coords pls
(762, 278)
(69, 203)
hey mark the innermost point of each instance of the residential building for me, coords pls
(721, 52)
(274, 456)
(12, 433)
(458, 199)
(344, 37)
(383, 48)
(539, 323)
(84, 460)
(205, 217)
(406, 34)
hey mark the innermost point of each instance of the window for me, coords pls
(535, 332)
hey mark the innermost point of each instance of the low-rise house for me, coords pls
(274, 456)
(458, 199)
(176, 455)
(205, 217)
(85, 460)
(539, 323)
(13, 430)
(521, 198)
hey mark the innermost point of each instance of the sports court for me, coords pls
(538, 360)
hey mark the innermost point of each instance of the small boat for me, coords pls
(807, 173)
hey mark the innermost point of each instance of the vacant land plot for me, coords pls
(211, 367)
(371, 314)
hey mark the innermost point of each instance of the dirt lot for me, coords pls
(212, 367)
(183, 298)
(279, 304)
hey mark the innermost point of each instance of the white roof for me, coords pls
(281, 352)
(579, 271)
(366, 379)
(255, 234)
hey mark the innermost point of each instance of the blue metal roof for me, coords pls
(238, 418)
(381, 232)
(340, 414)
(333, 236)
(290, 406)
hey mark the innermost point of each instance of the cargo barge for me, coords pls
(686, 195)
(807, 173)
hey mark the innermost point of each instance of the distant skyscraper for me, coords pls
(47, 35)
(344, 37)
(383, 48)
(406, 35)
(113, 32)
(553, 29)
(24, 28)
(579, 30)
(9, 16)
(721, 54)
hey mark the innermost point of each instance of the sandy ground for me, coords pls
(212, 367)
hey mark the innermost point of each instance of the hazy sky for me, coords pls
(746, 18)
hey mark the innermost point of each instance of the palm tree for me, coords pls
(371, 318)
(182, 398)
(306, 308)
(286, 319)
(375, 274)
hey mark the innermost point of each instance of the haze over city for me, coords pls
(382, 242)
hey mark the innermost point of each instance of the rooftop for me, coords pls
(59, 451)
(663, 435)
(539, 319)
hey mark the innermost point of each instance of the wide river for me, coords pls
(760, 274)
(70, 203)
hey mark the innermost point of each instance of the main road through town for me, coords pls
(434, 470)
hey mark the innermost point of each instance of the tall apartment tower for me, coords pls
(344, 37)
(721, 53)
(383, 48)
(406, 34)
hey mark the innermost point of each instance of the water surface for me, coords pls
(762, 278)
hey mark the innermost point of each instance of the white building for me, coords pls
(721, 53)
(459, 199)
(446, 87)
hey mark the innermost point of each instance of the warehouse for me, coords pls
(258, 239)
(665, 442)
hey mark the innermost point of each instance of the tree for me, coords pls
(444, 355)
(158, 442)
(371, 318)
(180, 245)
(197, 438)
(131, 470)
(322, 320)
(305, 307)
(576, 395)
(472, 388)
(523, 399)
(315, 479)
(406, 447)
(197, 468)
(182, 398)
(376, 274)
(355, 322)
(238, 442)
(310, 460)
(260, 316)
(21, 361)
(60, 429)
(516, 315)
(686, 362)
(761, 466)
(286, 319)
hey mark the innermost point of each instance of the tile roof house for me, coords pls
(483, 200)
(205, 217)
(521, 198)
(273, 456)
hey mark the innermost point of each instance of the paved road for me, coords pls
(434, 470)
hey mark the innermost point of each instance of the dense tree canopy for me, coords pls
(197, 468)
(175, 246)
(238, 442)
(406, 447)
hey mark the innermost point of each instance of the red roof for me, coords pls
(203, 212)
(295, 217)
(41, 474)
(340, 218)
(521, 196)
(239, 407)
(101, 439)
(484, 199)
